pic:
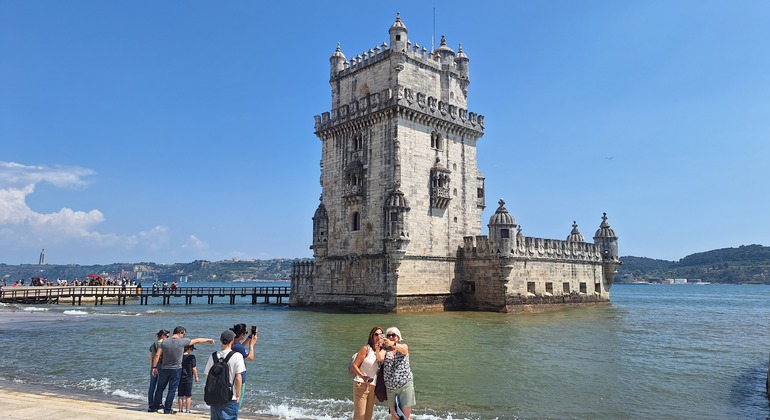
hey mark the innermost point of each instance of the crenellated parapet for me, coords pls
(438, 60)
(533, 249)
(302, 270)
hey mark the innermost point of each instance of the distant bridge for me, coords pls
(77, 295)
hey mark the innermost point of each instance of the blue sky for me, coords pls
(179, 130)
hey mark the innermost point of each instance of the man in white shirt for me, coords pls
(229, 410)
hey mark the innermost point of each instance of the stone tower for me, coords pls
(399, 177)
(399, 222)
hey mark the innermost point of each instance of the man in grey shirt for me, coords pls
(170, 372)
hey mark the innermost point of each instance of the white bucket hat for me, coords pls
(394, 330)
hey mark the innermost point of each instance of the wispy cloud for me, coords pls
(194, 243)
(20, 225)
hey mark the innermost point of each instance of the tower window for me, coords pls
(435, 140)
(356, 222)
(358, 142)
(398, 37)
(505, 233)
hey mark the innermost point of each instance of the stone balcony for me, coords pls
(353, 194)
(439, 197)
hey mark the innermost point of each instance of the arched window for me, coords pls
(356, 221)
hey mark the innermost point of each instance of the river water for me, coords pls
(658, 352)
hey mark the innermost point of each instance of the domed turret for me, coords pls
(320, 230)
(575, 235)
(608, 245)
(396, 209)
(462, 62)
(501, 227)
(398, 35)
(605, 231)
(397, 201)
(337, 61)
(446, 54)
(502, 217)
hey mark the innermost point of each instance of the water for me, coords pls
(659, 351)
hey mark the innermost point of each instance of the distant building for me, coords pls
(398, 226)
(41, 260)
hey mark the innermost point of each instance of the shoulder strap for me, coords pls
(229, 355)
(214, 357)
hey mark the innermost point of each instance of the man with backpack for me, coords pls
(223, 380)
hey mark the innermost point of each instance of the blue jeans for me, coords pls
(227, 411)
(151, 391)
(170, 378)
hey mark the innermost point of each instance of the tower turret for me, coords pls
(320, 231)
(575, 235)
(337, 61)
(398, 35)
(463, 68)
(501, 227)
(446, 54)
(608, 244)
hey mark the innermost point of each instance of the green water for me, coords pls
(668, 351)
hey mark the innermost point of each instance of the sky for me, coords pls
(171, 131)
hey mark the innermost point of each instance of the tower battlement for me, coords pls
(531, 248)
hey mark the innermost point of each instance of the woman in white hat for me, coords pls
(398, 375)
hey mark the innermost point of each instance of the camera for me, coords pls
(370, 380)
(253, 330)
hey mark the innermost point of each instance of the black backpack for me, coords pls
(219, 389)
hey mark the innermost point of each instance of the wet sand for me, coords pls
(24, 401)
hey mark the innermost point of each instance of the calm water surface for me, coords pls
(658, 352)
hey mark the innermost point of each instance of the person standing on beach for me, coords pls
(161, 335)
(189, 375)
(239, 345)
(398, 375)
(366, 366)
(171, 352)
(236, 367)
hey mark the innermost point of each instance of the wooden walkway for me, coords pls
(78, 295)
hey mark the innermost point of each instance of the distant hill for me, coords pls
(196, 271)
(747, 264)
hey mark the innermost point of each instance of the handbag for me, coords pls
(379, 388)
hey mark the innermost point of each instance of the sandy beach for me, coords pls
(24, 401)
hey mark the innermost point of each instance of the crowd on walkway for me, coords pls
(88, 281)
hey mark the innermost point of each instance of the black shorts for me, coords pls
(185, 389)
